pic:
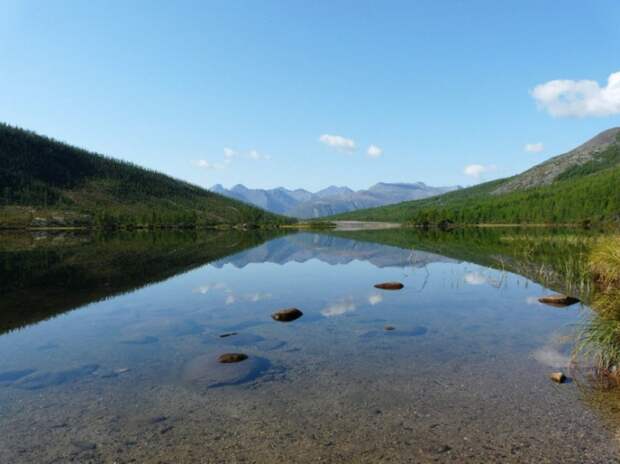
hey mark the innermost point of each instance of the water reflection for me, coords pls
(433, 372)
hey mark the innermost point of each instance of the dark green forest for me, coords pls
(47, 182)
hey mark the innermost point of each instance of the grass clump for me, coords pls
(599, 341)
(605, 262)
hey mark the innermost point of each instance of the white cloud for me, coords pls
(565, 98)
(337, 141)
(204, 164)
(338, 309)
(230, 299)
(475, 278)
(551, 357)
(229, 153)
(255, 155)
(204, 289)
(534, 147)
(256, 297)
(374, 151)
(476, 170)
(375, 299)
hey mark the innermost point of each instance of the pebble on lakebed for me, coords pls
(559, 301)
(390, 286)
(558, 377)
(389, 327)
(287, 315)
(227, 358)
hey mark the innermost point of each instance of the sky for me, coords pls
(315, 93)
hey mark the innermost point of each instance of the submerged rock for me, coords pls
(227, 358)
(389, 327)
(287, 315)
(390, 286)
(228, 334)
(558, 377)
(48, 379)
(12, 376)
(559, 301)
(206, 371)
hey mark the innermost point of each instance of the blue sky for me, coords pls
(294, 93)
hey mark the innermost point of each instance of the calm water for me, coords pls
(109, 346)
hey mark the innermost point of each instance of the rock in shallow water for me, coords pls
(558, 377)
(228, 358)
(559, 301)
(206, 371)
(287, 315)
(48, 379)
(389, 286)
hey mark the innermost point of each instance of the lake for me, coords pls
(110, 344)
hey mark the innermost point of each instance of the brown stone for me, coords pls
(389, 327)
(558, 377)
(228, 358)
(389, 286)
(287, 315)
(558, 301)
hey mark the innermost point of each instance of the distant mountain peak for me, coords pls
(330, 200)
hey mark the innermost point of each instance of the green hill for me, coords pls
(44, 182)
(580, 186)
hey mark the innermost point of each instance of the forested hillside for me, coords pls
(585, 188)
(44, 182)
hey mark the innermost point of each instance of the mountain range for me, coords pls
(577, 187)
(303, 204)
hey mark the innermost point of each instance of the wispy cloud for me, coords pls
(374, 151)
(255, 155)
(532, 300)
(204, 289)
(256, 297)
(534, 147)
(475, 278)
(338, 142)
(205, 164)
(230, 155)
(552, 357)
(566, 98)
(375, 299)
(477, 170)
(339, 308)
